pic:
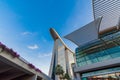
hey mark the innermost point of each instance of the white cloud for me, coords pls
(35, 46)
(26, 33)
(44, 55)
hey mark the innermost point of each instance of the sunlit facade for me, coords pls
(105, 74)
(98, 51)
(109, 9)
(61, 56)
(104, 51)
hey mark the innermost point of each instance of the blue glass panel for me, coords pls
(115, 52)
(115, 55)
(83, 63)
(84, 79)
(89, 62)
(99, 72)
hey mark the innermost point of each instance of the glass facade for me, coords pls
(106, 74)
(70, 61)
(61, 54)
(63, 57)
(105, 48)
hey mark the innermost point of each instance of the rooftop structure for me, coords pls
(86, 34)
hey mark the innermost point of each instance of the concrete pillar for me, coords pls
(1, 49)
(34, 77)
(78, 77)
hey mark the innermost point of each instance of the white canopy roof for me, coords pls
(85, 34)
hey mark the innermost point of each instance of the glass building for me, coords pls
(107, 48)
(61, 55)
(98, 51)
(98, 59)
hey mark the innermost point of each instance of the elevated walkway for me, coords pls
(14, 67)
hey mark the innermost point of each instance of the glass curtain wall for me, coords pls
(106, 74)
(105, 48)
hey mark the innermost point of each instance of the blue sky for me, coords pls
(24, 25)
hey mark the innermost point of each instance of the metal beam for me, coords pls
(5, 69)
(11, 76)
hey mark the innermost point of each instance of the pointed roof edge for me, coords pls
(73, 39)
(55, 36)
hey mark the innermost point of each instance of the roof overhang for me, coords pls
(85, 34)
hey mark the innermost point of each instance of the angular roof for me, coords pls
(85, 34)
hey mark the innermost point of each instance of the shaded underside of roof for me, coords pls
(85, 34)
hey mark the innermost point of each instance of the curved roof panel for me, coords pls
(85, 34)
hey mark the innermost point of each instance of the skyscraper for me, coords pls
(61, 55)
(109, 9)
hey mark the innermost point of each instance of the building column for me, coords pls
(78, 77)
(34, 77)
(1, 49)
